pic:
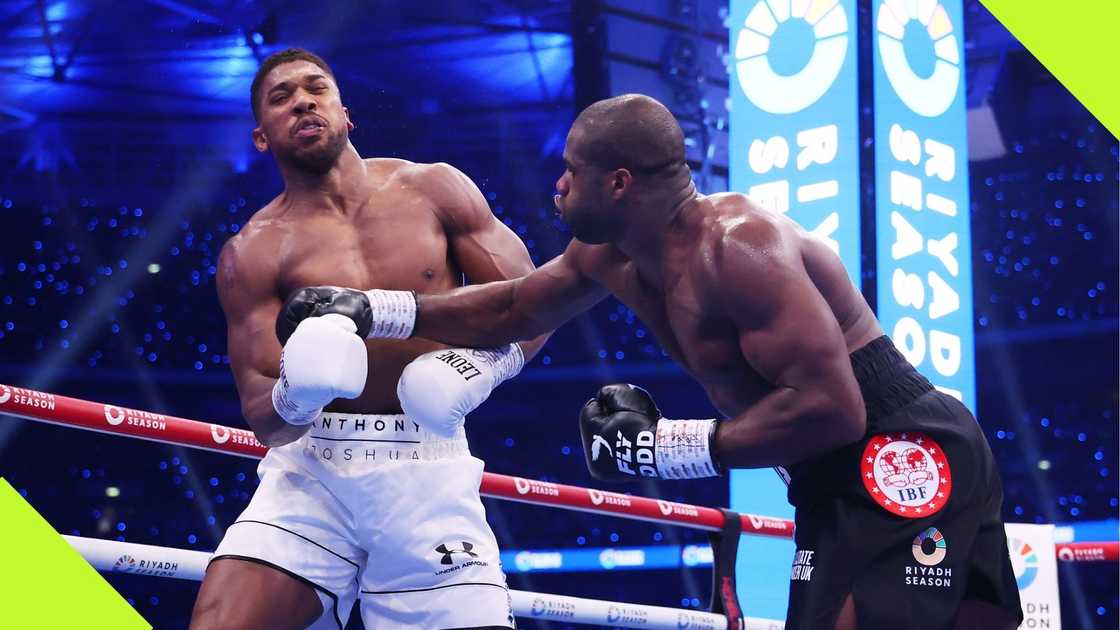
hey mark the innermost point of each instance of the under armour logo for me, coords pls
(447, 553)
(597, 442)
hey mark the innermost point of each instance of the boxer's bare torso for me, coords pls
(416, 227)
(687, 307)
(762, 314)
(397, 240)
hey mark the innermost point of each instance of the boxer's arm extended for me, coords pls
(484, 248)
(496, 313)
(789, 336)
(246, 290)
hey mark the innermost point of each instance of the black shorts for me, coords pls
(908, 519)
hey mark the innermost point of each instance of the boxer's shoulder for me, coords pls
(455, 199)
(382, 169)
(594, 261)
(426, 177)
(250, 254)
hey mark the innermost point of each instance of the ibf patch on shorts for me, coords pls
(907, 474)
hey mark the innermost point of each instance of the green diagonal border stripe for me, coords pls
(45, 583)
(1076, 41)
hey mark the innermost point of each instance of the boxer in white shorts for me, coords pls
(388, 512)
(356, 503)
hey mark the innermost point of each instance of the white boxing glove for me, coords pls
(323, 359)
(439, 389)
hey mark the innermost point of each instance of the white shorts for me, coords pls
(372, 507)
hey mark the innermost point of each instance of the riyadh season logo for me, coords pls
(930, 89)
(114, 415)
(627, 615)
(782, 90)
(690, 621)
(5, 394)
(125, 564)
(934, 542)
(669, 508)
(1024, 562)
(219, 433)
(554, 608)
(529, 486)
(599, 497)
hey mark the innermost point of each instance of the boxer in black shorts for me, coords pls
(907, 519)
(763, 315)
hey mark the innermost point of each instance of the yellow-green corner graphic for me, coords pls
(1076, 41)
(45, 584)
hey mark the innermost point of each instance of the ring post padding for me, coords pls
(725, 550)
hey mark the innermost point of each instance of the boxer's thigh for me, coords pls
(242, 594)
(294, 536)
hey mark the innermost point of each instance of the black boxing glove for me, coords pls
(376, 313)
(625, 437)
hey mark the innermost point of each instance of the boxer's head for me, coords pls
(299, 112)
(617, 150)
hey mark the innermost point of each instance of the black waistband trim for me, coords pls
(886, 379)
(298, 535)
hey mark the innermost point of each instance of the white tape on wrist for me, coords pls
(510, 361)
(394, 314)
(683, 449)
(288, 409)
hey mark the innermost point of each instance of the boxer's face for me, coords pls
(587, 198)
(302, 120)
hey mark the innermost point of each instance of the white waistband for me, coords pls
(392, 431)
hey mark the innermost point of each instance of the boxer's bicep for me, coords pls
(510, 300)
(484, 248)
(556, 292)
(787, 332)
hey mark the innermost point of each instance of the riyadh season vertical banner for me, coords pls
(794, 136)
(924, 273)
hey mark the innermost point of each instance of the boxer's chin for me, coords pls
(586, 229)
(320, 157)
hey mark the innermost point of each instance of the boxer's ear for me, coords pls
(621, 180)
(260, 141)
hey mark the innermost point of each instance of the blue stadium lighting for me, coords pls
(78, 318)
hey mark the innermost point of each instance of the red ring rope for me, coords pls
(113, 419)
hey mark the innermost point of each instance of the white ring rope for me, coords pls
(184, 564)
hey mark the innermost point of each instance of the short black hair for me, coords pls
(631, 131)
(275, 59)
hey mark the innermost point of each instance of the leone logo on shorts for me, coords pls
(906, 474)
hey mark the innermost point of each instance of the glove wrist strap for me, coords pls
(684, 449)
(394, 314)
(289, 410)
(510, 361)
